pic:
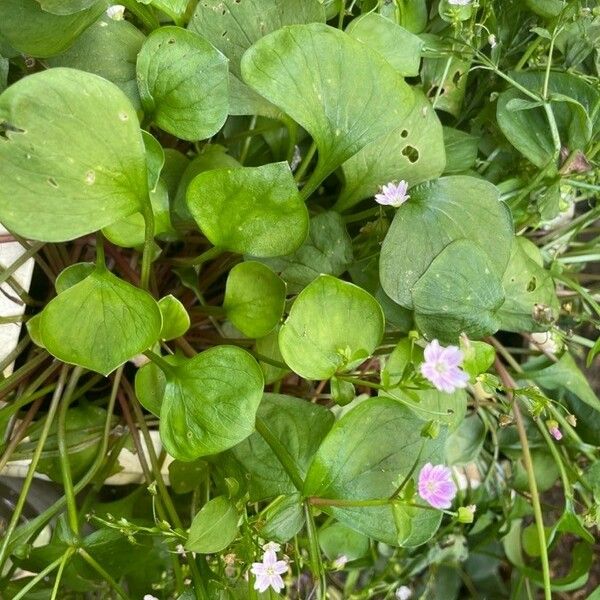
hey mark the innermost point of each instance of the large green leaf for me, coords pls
(327, 250)
(183, 83)
(210, 402)
(35, 32)
(109, 321)
(332, 326)
(299, 426)
(526, 285)
(413, 151)
(459, 293)
(65, 7)
(250, 210)
(72, 158)
(107, 48)
(438, 213)
(254, 298)
(350, 466)
(399, 47)
(342, 92)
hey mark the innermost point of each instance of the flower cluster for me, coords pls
(268, 572)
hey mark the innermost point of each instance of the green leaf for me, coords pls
(327, 250)
(332, 326)
(546, 8)
(183, 82)
(254, 298)
(459, 293)
(250, 210)
(87, 162)
(233, 26)
(399, 47)
(282, 519)
(109, 322)
(214, 527)
(150, 383)
(439, 212)
(527, 285)
(185, 477)
(269, 346)
(413, 151)
(34, 32)
(175, 318)
(338, 540)
(349, 465)
(65, 7)
(300, 426)
(72, 275)
(478, 357)
(350, 96)
(210, 402)
(107, 48)
(464, 444)
(461, 150)
(155, 159)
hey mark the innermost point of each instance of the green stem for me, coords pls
(315, 553)
(148, 244)
(305, 162)
(39, 577)
(16, 515)
(160, 362)
(100, 258)
(281, 452)
(315, 501)
(90, 560)
(205, 256)
(65, 559)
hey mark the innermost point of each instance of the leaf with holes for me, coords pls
(333, 326)
(438, 213)
(349, 97)
(77, 172)
(210, 402)
(110, 321)
(250, 210)
(414, 151)
(182, 80)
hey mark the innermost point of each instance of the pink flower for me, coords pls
(393, 194)
(442, 367)
(268, 572)
(555, 432)
(436, 486)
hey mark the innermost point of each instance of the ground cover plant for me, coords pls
(340, 255)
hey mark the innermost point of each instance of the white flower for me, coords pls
(268, 572)
(340, 562)
(180, 549)
(403, 593)
(116, 12)
(459, 2)
(150, 597)
(274, 546)
(393, 194)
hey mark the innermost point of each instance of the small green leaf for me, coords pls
(214, 527)
(175, 319)
(109, 321)
(182, 81)
(437, 213)
(338, 540)
(77, 172)
(254, 298)
(72, 275)
(210, 402)
(250, 210)
(155, 159)
(350, 96)
(332, 326)
(282, 519)
(269, 346)
(478, 357)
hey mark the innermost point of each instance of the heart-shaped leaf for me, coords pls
(182, 80)
(299, 426)
(348, 96)
(350, 465)
(250, 210)
(438, 213)
(332, 326)
(74, 173)
(109, 321)
(459, 293)
(254, 298)
(210, 402)
(413, 151)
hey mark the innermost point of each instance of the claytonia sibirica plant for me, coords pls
(289, 287)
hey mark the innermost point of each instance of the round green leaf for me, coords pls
(182, 80)
(175, 319)
(35, 32)
(333, 325)
(437, 213)
(250, 210)
(214, 527)
(342, 92)
(210, 402)
(459, 293)
(349, 465)
(100, 322)
(254, 298)
(71, 174)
